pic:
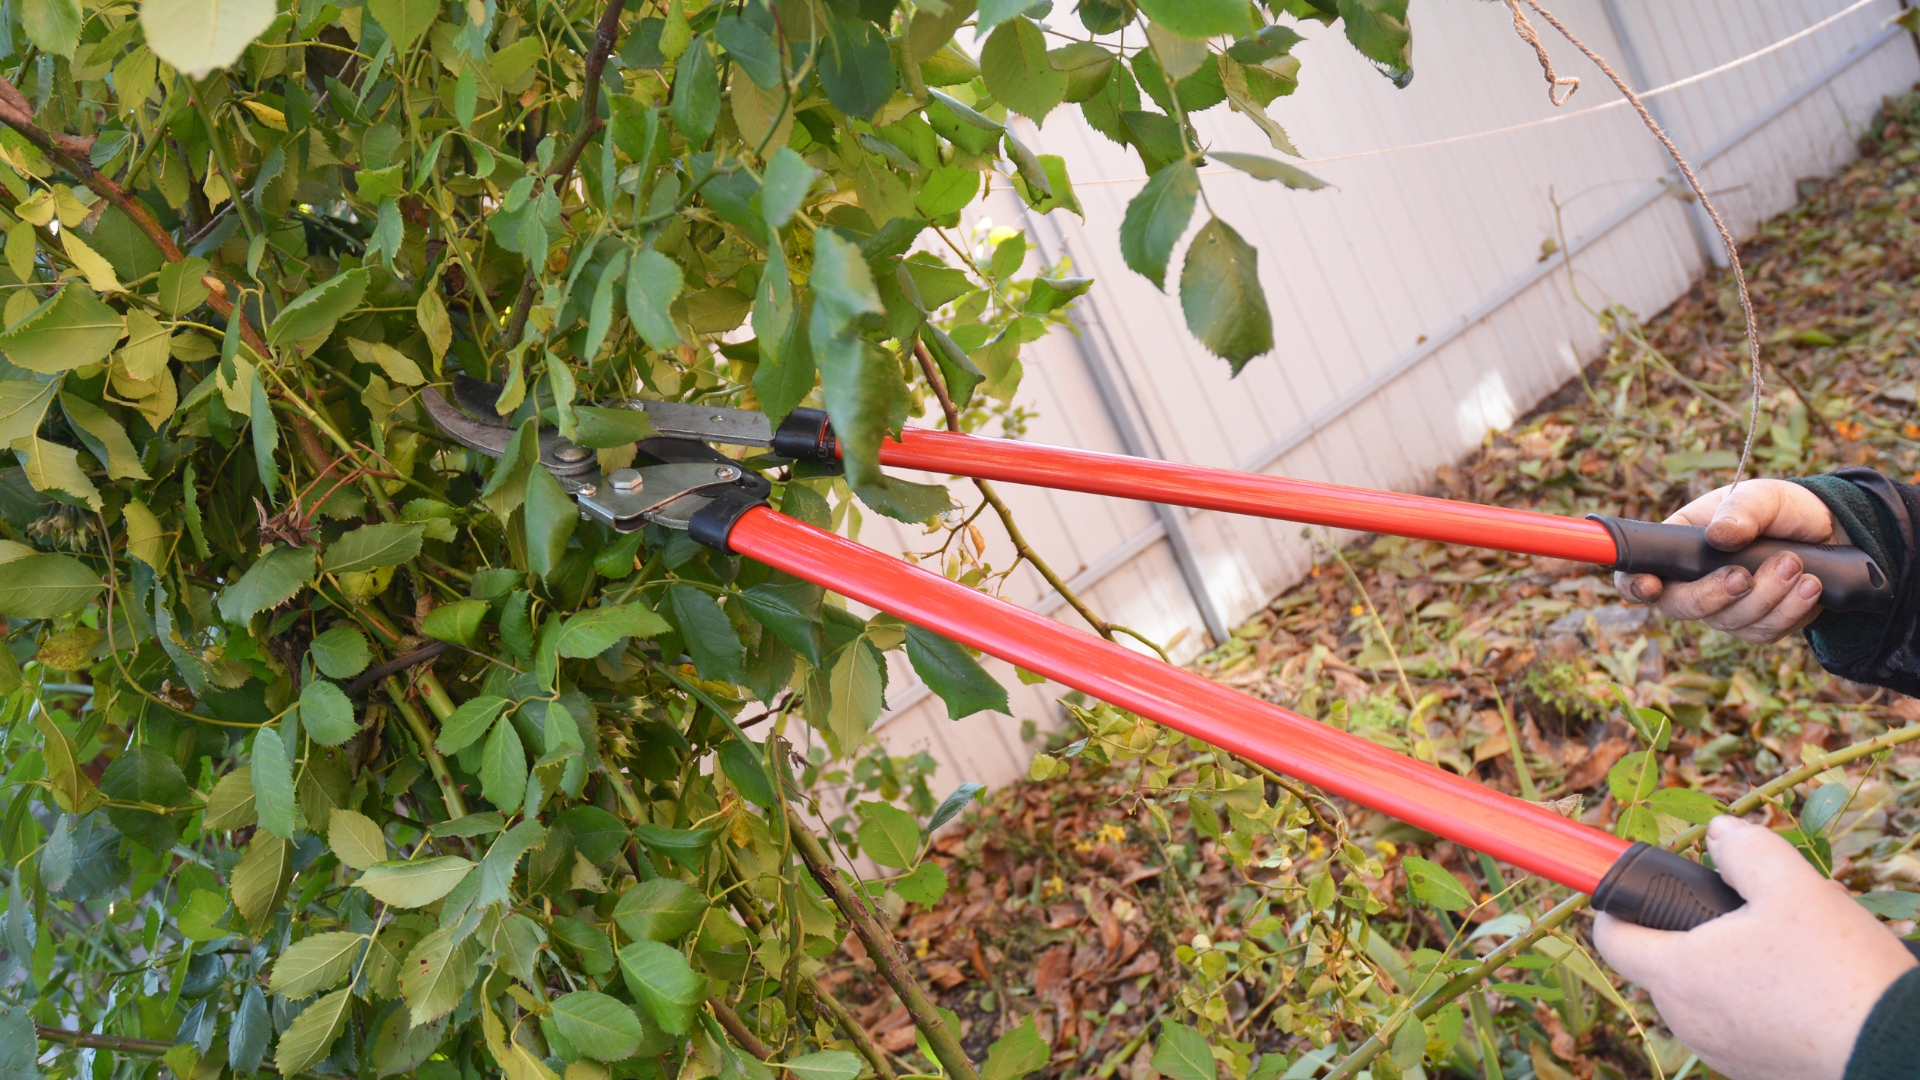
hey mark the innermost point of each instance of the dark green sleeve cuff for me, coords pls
(1848, 637)
(1889, 1044)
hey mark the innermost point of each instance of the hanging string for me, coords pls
(1726, 235)
(1554, 82)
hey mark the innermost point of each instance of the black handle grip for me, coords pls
(1655, 888)
(1849, 578)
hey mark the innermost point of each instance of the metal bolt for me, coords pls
(587, 490)
(625, 481)
(570, 453)
(726, 472)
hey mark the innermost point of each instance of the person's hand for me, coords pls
(1758, 607)
(1779, 988)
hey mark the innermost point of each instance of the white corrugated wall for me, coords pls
(1412, 307)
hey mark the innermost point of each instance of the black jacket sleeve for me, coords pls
(1889, 1044)
(1878, 516)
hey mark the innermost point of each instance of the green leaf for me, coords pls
(904, 500)
(68, 330)
(458, 622)
(1378, 28)
(741, 760)
(695, 105)
(653, 281)
(1201, 19)
(231, 804)
(856, 67)
(1819, 811)
(53, 25)
(597, 1025)
(843, 288)
(23, 402)
(824, 1065)
(855, 697)
(1021, 1052)
(860, 384)
(784, 186)
(688, 847)
(551, 516)
(1019, 73)
(595, 630)
(1221, 296)
(197, 36)
(600, 429)
(1183, 1053)
(1052, 294)
(1891, 905)
(404, 20)
(1157, 217)
(1687, 804)
(272, 580)
(1266, 168)
(663, 909)
(105, 437)
(1634, 777)
(888, 835)
(503, 768)
(955, 676)
(326, 714)
(503, 858)
(272, 784)
(792, 612)
(306, 1041)
(259, 883)
(354, 839)
(372, 546)
(414, 884)
(46, 586)
(180, 287)
(925, 886)
(315, 311)
(468, 722)
(952, 805)
(1433, 884)
(709, 635)
(252, 1027)
(752, 49)
(52, 467)
(340, 653)
(438, 973)
(315, 963)
(663, 984)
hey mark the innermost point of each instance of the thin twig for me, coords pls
(604, 35)
(737, 1031)
(117, 1043)
(395, 666)
(884, 951)
(1700, 192)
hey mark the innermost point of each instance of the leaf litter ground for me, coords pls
(1067, 906)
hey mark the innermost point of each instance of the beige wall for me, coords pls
(1410, 302)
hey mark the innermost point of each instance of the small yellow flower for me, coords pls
(1357, 610)
(1385, 848)
(1111, 834)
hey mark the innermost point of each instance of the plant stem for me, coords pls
(737, 1030)
(117, 1043)
(885, 952)
(417, 724)
(862, 1041)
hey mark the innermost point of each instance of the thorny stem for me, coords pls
(417, 725)
(884, 950)
(862, 1041)
(1021, 548)
(117, 1043)
(1567, 908)
(737, 1030)
(604, 35)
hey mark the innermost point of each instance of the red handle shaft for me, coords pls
(1523, 834)
(1253, 494)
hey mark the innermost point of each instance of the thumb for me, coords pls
(1756, 861)
(1743, 515)
(1639, 953)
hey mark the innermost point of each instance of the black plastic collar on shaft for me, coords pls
(1655, 888)
(806, 435)
(714, 522)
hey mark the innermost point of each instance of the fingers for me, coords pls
(1708, 596)
(1640, 588)
(1636, 952)
(1780, 596)
(1756, 861)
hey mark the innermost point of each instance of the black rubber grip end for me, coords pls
(1655, 888)
(806, 435)
(1849, 578)
(714, 522)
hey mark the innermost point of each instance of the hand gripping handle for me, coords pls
(1849, 578)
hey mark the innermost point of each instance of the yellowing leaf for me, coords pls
(267, 115)
(197, 36)
(98, 270)
(147, 539)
